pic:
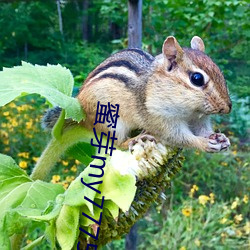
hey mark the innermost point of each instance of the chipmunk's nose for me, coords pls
(227, 108)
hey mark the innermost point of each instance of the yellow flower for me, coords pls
(20, 154)
(225, 207)
(238, 159)
(197, 242)
(35, 159)
(24, 154)
(238, 218)
(6, 149)
(247, 227)
(65, 185)
(29, 124)
(223, 235)
(238, 233)
(65, 163)
(23, 164)
(211, 195)
(55, 178)
(73, 168)
(187, 211)
(203, 199)
(4, 134)
(235, 203)
(77, 162)
(70, 178)
(6, 113)
(24, 107)
(223, 220)
(12, 105)
(6, 141)
(183, 248)
(193, 190)
(224, 164)
(29, 135)
(14, 123)
(19, 108)
(234, 152)
(245, 199)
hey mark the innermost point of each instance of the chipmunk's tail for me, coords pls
(50, 118)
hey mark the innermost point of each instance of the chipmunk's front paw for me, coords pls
(217, 142)
(141, 139)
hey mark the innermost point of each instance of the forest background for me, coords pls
(207, 205)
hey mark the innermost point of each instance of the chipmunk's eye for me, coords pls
(197, 79)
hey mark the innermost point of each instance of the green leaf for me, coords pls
(84, 221)
(53, 82)
(117, 187)
(74, 195)
(112, 207)
(67, 226)
(45, 216)
(39, 194)
(4, 240)
(22, 200)
(50, 234)
(28, 200)
(14, 198)
(82, 151)
(9, 168)
(57, 129)
(34, 243)
(6, 186)
(109, 209)
(14, 223)
(10, 222)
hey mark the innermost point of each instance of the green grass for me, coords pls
(207, 206)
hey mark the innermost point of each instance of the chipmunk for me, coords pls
(170, 97)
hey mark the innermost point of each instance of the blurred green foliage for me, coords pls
(30, 32)
(206, 207)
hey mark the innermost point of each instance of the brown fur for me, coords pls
(156, 95)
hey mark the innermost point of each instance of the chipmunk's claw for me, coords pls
(141, 139)
(218, 142)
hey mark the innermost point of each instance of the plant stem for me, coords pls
(52, 153)
(56, 147)
(16, 240)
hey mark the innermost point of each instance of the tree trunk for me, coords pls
(59, 16)
(135, 23)
(85, 20)
(131, 238)
(134, 41)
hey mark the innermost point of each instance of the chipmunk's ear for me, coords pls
(171, 49)
(197, 43)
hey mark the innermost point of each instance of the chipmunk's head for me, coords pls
(198, 77)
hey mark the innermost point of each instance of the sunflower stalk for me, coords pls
(157, 165)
